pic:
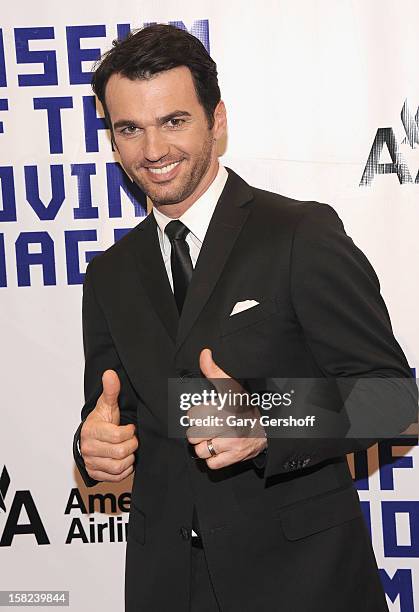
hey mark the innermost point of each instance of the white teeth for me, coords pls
(164, 170)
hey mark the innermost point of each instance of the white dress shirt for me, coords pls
(197, 219)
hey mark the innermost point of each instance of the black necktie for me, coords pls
(182, 269)
(180, 260)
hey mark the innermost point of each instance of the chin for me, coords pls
(168, 196)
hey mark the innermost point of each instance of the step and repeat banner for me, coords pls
(322, 99)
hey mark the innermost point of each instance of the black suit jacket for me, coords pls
(288, 536)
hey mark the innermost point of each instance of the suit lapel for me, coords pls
(153, 275)
(228, 219)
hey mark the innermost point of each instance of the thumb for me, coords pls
(208, 366)
(110, 393)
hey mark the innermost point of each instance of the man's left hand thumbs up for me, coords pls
(228, 446)
(208, 366)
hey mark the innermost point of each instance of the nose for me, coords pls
(155, 145)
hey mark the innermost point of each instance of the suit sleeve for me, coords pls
(336, 298)
(100, 355)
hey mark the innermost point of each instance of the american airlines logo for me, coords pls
(397, 163)
(97, 518)
(22, 503)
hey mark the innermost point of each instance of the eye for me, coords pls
(175, 122)
(129, 130)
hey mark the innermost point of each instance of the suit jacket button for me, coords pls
(185, 533)
(290, 465)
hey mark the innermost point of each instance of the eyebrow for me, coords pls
(160, 120)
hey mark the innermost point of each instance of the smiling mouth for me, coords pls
(164, 169)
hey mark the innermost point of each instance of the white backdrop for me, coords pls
(314, 92)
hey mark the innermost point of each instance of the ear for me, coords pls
(220, 121)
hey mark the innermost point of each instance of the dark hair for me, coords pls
(154, 49)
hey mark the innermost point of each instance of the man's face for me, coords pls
(162, 135)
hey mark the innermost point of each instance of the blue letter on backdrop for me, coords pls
(84, 190)
(3, 275)
(92, 124)
(72, 239)
(3, 80)
(388, 462)
(399, 586)
(53, 107)
(389, 509)
(50, 211)
(25, 56)
(25, 259)
(123, 29)
(4, 105)
(76, 55)
(366, 511)
(117, 180)
(8, 213)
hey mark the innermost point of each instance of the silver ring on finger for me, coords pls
(211, 449)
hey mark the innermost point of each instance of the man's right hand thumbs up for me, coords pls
(107, 404)
(106, 446)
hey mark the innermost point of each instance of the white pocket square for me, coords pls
(245, 305)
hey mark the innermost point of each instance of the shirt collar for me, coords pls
(197, 218)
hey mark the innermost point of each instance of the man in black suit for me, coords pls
(229, 282)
